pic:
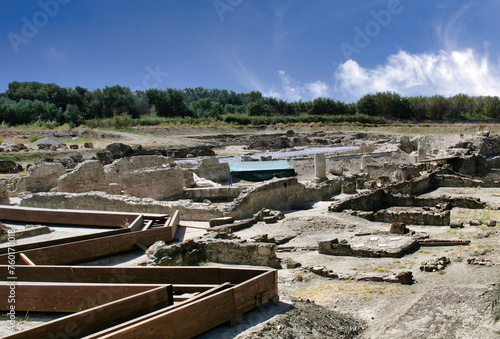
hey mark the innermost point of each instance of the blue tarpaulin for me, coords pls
(260, 170)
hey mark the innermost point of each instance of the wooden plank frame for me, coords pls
(73, 217)
(24, 247)
(217, 302)
(67, 298)
(91, 249)
(100, 317)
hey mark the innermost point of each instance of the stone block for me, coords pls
(348, 188)
(263, 250)
(398, 228)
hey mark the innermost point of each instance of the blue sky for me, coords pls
(289, 49)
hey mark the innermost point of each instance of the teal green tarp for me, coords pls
(261, 170)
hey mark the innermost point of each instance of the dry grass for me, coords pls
(324, 292)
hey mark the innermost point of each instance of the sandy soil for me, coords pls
(448, 304)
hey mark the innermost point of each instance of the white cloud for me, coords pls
(445, 73)
(318, 89)
(53, 53)
(294, 90)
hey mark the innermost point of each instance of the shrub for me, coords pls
(33, 138)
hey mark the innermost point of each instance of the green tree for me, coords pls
(258, 108)
(419, 106)
(328, 106)
(368, 105)
(72, 116)
(438, 107)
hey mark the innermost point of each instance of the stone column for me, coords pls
(365, 159)
(320, 166)
(422, 148)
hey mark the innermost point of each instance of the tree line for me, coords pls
(38, 103)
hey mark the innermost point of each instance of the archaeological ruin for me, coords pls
(241, 220)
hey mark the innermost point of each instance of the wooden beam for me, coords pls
(25, 258)
(20, 248)
(148, 225)
(116, 274)
(237, 275)
(72, 217)
(66, 217)
(98, 318)
(137, 224)
(194, 288)
(134, 322)
(86, 250)
(245, 294)
(58, 297)
(174, 222)
(186, 318)
(197, 317)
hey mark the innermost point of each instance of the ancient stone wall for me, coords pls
(86, 177)
(369, 246)
(394, 171)
(414, 201)
(413, 216)
(118, 167)
(448, 180)
(404, 194)
(107, 202)
(211, 169)
(4, 193)
(160, 183)
(279, 194)
(42, 178)
(366, 201)
(208, 248)
(213, 193)
(415, 186)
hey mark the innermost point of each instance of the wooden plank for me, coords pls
(98, 318)
(137, 224)
(57, 297)
(20, 248)
(159, 313)
(155, 216)
(238, 275)
(25, 258)
(197, 317)
(193, 288)
(66, 217)
(148, 225)
(115, 274)
(249, 294)
(91, 249)
(174, 222)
